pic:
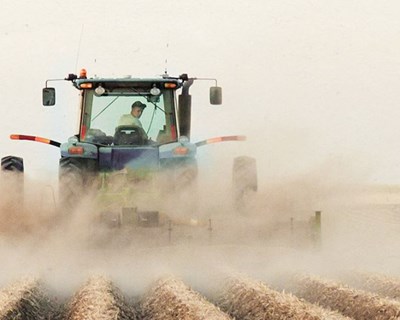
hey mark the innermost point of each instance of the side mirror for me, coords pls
(49, 96)
(216, 95)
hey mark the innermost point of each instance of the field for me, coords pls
(267, 263)
(170, 298)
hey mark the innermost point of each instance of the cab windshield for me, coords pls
(103, 115)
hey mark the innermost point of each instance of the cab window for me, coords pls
(101, 115)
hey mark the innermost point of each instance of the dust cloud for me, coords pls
(275, 231)
(314, 87)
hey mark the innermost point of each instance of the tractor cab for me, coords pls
(106, 107)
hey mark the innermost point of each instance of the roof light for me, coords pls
(99, 90)
(155, 91)
(169, 85)
(87, 85)
(82, 74)
(75, 150)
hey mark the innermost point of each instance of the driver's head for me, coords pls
(137, 109)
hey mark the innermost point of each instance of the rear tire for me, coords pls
(180, 174)
(244, 180)
(74, 181)
(12, 163)
(12, 184)
(178, 185)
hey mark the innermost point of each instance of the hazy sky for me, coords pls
(315, 85)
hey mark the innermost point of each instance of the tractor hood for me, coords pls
(138, 158)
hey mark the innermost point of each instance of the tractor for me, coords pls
(130, 167)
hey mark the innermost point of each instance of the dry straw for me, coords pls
(350, 302)
(99, 299)
(24, 300)
(170, 298)
(247, 299)
(384, 285)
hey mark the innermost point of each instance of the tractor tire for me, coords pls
(180, 174)
(12, 163)
(178, 185)
(74, 179)
(244, 176)
(12, 184)
(185, 175)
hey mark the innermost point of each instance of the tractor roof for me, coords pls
(175, 83)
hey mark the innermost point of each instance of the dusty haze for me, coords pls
(313, 86)
(306, 82)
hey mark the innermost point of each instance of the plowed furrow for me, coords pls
(385, 286)
(99, 299)
(357, 304)
(24, 300)
(171, 299)
(245, 298)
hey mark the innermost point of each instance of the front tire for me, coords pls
(75, 178)
(244, 182)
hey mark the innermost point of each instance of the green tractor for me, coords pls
(129, 162)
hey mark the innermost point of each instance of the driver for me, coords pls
(132, 119)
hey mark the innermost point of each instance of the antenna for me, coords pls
(166, 61)
(79, 48)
